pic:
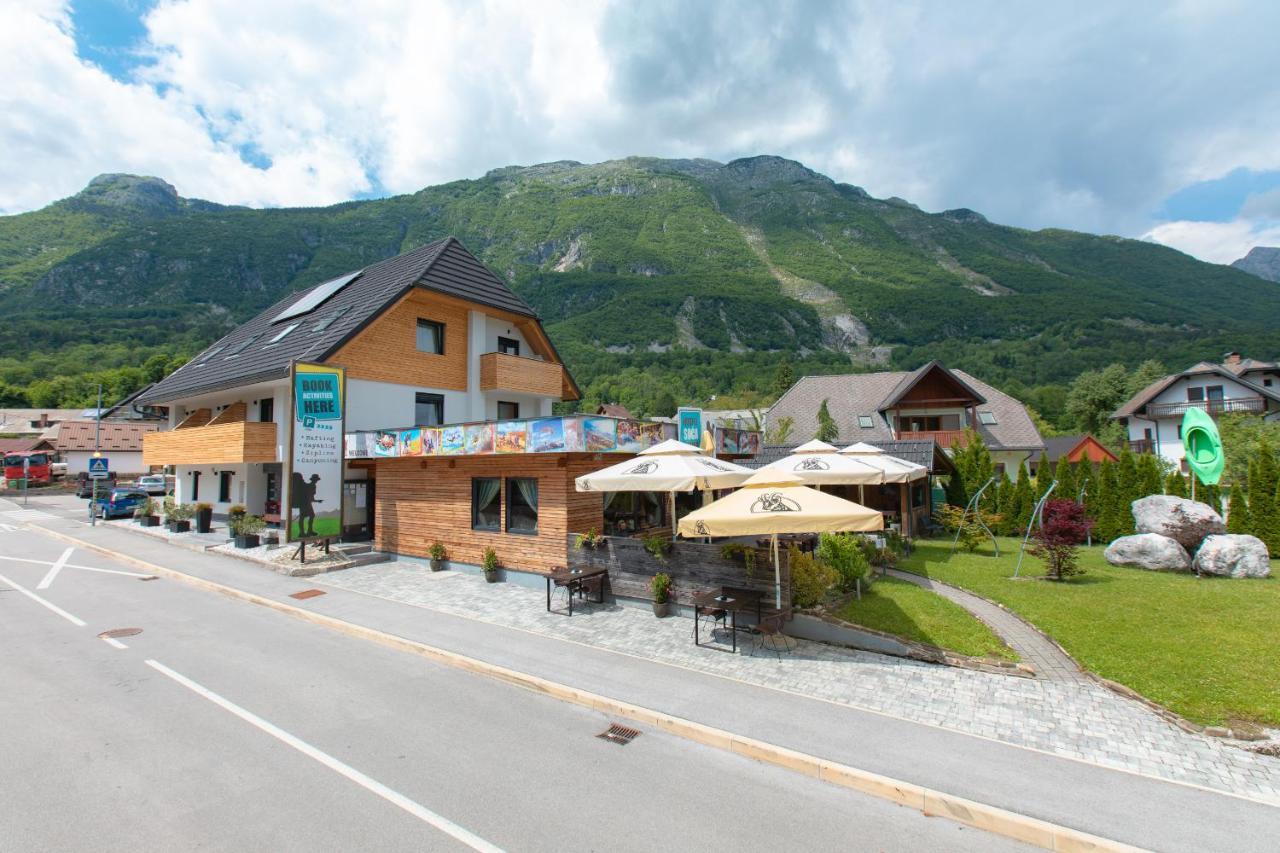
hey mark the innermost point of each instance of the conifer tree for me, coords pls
(1044, 476)
(1084, 475)
(1175, 484)
(1263, 485)
(1148, 475)
(827, 429)
(1065, 474)
(1021, 504)
(1004, 503)
(1108, 503)
(1238, 512)
(1126, 482)
(956, 495)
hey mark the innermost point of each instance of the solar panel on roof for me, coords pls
(316, 296)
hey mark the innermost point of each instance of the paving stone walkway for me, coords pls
(1049, 661)
(1073, 718)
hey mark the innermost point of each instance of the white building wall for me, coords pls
(380, 405)
(121, 462)
(494, 329)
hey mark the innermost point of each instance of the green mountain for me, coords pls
(683, 276)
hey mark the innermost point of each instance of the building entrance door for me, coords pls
(357, 510)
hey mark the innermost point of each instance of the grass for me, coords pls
(331, 527)
(898, 607)
(1207, 648)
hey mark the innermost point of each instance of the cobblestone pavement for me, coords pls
(1049, 661)
(1080, 720)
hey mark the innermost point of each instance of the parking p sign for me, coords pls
(98, 467)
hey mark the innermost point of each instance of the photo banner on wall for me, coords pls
(315, 452)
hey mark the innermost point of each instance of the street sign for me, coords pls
(98, 467)
(690, 426)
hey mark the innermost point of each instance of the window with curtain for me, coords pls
(522, 505)
(486, 508)
(430, 337)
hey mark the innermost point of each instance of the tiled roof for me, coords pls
(18, 445)
(1139, 401)
(115, 435)
(20, 420)
(855, 395)
(926, 453)
(444, 266)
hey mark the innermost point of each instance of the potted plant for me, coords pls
(660, 586)
(438, 555)
(490, 565)
(236, 510)
(145, 513)
(204, 517)
(245, 530)
(177, 517)
(658, 546)
(591, 540)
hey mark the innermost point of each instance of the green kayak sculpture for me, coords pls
(1203, 446)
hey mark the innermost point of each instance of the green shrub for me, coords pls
(490, 561)
(843, 553)
(660, 586)
(658, 546)
(246, 525)
(739, 551)
(438, 551)
(147, 507)
(810, 578)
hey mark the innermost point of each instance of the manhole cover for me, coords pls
(150, 578)
(621, 735)
(307, 593)
(117, 633)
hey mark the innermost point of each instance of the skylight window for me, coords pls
(987, 418)
(316, 296)
(242, 346)
(864, 421)
(283, 333)
(324, 323)
(211, 353)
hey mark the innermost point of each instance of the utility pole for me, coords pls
(97, 451)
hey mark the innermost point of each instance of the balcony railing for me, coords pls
(1213, 407)
(502, 372)
(202, 440)
(944, 437)
(1142, 445)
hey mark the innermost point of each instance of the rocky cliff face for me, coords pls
(1262, 261)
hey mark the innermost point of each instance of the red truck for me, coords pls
(38, 470)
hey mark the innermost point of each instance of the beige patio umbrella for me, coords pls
(819, 463)
(773, 502)
(671, 466)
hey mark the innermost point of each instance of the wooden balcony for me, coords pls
(1142, 445)
(944, 437)
(1253, 405)
(201, 439)
(502, 372)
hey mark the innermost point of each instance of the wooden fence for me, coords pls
(693, 567)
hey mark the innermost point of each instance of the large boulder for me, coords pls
(1148, 551)
(1187, 522)
(1233, 556)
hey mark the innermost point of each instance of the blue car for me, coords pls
(119, 503)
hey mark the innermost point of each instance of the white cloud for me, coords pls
(1084, 116)
(1217, 242)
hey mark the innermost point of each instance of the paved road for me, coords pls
(227, 726)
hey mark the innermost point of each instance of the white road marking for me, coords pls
(48, 579)
(26, 514)
(74, 566)
(8, 528)
(49, 604)
(112, 641)
(419, 811)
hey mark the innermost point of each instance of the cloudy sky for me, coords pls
(1142, 119)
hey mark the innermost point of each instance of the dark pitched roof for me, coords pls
(444, 266)
(1139, 401)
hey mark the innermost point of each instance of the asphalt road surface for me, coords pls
(226, 726)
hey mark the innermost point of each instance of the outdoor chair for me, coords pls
(768, 634)
(712, 615)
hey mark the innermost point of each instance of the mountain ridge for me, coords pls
(1262, 261)
(690, 276)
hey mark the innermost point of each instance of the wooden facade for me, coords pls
(502, 372)
(226, 438)
(420, 501)
(387, 351)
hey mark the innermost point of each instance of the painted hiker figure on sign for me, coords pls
(304, 500)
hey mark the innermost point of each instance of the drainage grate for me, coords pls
(117, 633)
(150, 578)
(621, 735)
(307, 593)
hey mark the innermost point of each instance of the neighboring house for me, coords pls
(613, 410)
(20, 445)
(120, 441)
(1153, 416)
(929, 403)
(427, 338)
(1077, 448)
(34, 421)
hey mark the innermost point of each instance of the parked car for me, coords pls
(84, 485)
(58, 470)
(119, 502)
(153, 484)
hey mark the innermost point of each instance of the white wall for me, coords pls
(495, 328)
(120, 461)
(531, 406)
(1177, 392)
(378, 405)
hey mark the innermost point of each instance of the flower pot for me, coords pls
(149, 521)
(178, 526)
(662, 609)
(437, 565)
(204, 520)
(491, 576)
(247, 540)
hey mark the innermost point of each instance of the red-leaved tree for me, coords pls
(1063, 530)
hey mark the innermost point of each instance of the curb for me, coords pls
(931, 803)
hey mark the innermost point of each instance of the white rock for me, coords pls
(1233, 555)
(1186, 521)
(1148, 551)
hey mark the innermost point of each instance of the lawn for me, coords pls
(898, 607)
(1207, 648)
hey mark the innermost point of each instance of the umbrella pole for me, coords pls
(777, 575)
(673, 516)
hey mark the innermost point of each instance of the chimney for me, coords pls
(1231, 358)
(44, 419)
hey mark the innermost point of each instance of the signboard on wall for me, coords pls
(316, 441)
(690, 424)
